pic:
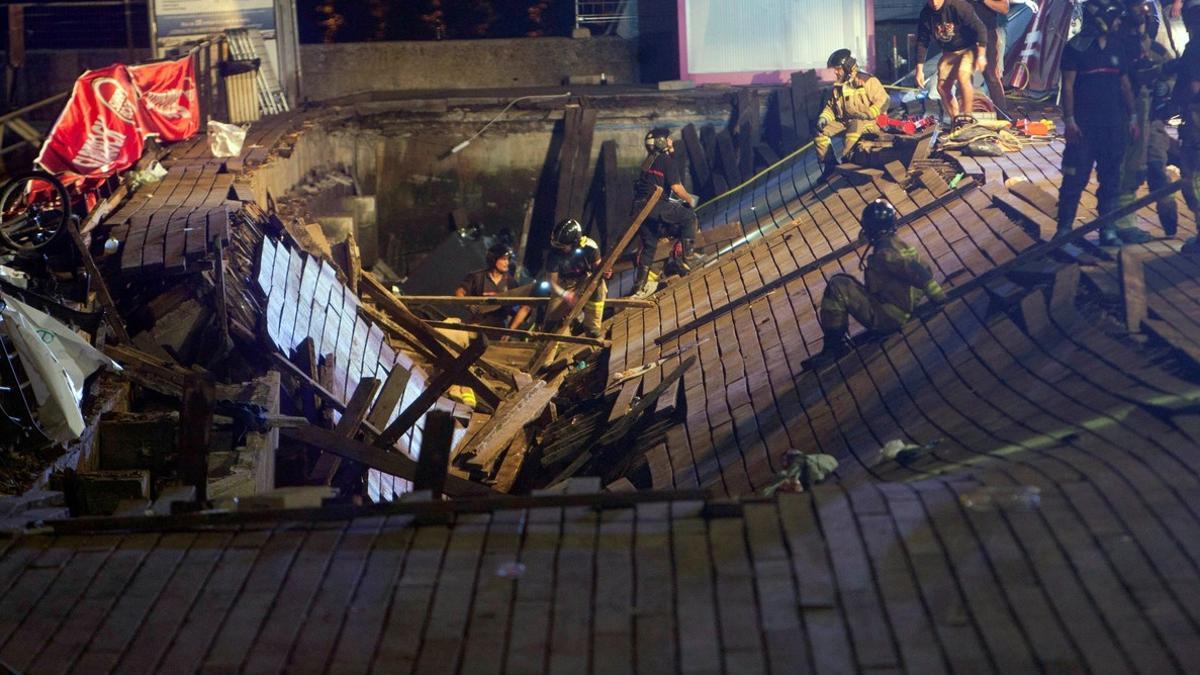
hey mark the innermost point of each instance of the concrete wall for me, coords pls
(335, 70)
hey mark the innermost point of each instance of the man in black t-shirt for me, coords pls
(672, 215)
(963, 39)
(495, 279)
(1098, 111)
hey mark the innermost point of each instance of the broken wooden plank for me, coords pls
(393, 463)
(1023, 212)
(347, 427)
(535, 335)
(389, 397)
(518, 410)
(433, 462)
(433, 391)
(1133, 289)
(427, 337)
(96, 280)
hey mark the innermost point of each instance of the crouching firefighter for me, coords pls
(1146, 156)
(857, 99)
(896, 278)
(572, 260)
(672, 216)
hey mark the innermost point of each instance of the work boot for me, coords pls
(1109, 238)
(833, 347)
(1132, 235)
(643, 286)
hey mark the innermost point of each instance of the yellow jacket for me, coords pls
(897, 277)
(858, 99)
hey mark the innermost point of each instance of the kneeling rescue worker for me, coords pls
(672, 215)
(896, 278)
(857, 99)
(572, 260)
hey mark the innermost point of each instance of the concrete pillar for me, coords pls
(337, 227)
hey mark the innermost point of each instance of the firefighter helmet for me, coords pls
(496, 252)
(1101, 16)
(844, 59)
(566, 235)
(657, 139)
(878, 219)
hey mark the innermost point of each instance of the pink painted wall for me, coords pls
(766, 77)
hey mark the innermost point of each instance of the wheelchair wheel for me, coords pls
(34, 209)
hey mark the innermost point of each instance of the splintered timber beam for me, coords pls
(433, 464)
(195, 428)
(394, 463)
(514, 332)
(495, 300)
(542, 357)
(433, 390)
(430, 338)
(347, 427)
(97, 281)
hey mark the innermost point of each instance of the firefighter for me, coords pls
(896, 278)
(495, 279)
(1098, 111)
(672, 216)
(1146, 157)
(1186, 100)
(857, 99)
(572, 260)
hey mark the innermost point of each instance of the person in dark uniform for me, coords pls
(495, 279)
(1098, 111)
(571, 262)
(896, 279)
(1146, 156)
(672, 216)
(1186, 101)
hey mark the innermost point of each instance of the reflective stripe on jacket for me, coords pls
(897, 277)
(857, 99)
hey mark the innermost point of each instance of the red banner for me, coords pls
(100, 131)
(170, 108)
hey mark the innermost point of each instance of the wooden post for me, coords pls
(97, 281)
(195, 427)
(434, 460)
(538, 336)
(433, 390)
(356, 413)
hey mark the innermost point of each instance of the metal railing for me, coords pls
(604, 14)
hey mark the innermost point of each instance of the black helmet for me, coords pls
(656, 139)
(878, 219)
(843, 59)
(566, 235)
(1101, 16)
(496, 252)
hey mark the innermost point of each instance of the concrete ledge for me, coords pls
(335, 70)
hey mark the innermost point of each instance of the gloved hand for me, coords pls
(608, 274)
(822, 123)
(569, 298)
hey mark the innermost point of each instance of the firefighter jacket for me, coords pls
(897, 277)
(862, 98)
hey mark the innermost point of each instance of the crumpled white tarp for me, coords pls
(57, 361)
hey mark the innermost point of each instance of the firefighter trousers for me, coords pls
(854, 129)
(847, 297)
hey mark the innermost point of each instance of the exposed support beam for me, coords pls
(433, 390)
